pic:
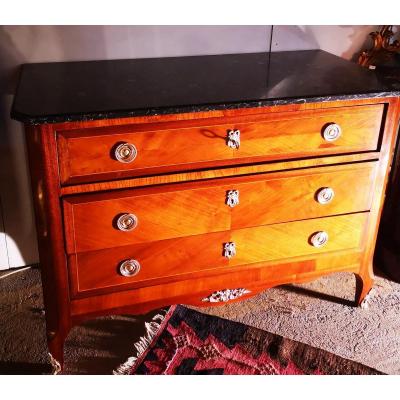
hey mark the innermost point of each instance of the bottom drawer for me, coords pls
(189, 257)
(196, 291)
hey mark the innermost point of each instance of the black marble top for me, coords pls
(70, 91)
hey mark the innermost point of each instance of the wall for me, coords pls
(344, 41)
(26, 44)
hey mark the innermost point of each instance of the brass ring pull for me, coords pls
(332, 132)
(125, 152)
(127, 222)
(129, 268)
(319, 239)
(325, 195)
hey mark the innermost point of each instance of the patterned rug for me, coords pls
(186, 342)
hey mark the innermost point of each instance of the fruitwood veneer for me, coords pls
(177, 187)
(174, 257)
(84, 155)
(264, 199)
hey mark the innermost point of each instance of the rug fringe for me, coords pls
(143, 343)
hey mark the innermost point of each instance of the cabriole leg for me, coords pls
(55, 343)
(364, 284)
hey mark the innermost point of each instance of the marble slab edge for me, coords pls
(54, 119)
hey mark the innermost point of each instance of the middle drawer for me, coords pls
(100, 221)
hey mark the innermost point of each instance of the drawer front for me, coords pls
(193, 209)
(107, 153)
(194, 290)
(181, 258)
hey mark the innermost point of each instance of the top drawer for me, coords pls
(95, 154)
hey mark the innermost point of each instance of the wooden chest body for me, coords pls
(183, 220)
(205, 207)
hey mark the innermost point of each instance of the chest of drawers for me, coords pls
(201, 202)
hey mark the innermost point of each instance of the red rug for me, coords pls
(187, 342)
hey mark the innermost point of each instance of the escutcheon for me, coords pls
(232, 198)
(233, 138)
(229, 249)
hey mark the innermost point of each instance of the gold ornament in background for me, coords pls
(384, 49)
